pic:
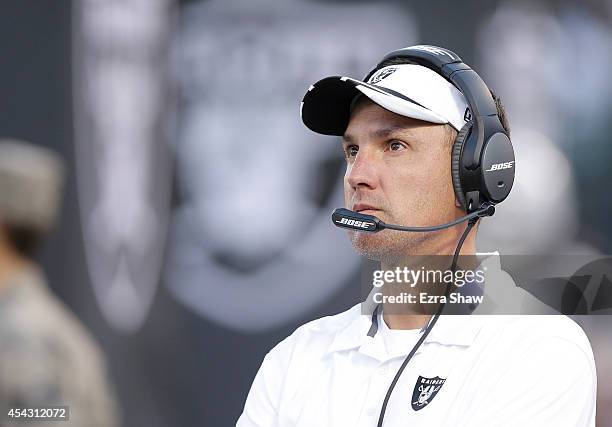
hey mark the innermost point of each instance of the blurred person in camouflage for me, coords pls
(46, 355)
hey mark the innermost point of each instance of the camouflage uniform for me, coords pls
(48, 358)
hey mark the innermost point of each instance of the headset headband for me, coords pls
(482, 157)
(478, 96)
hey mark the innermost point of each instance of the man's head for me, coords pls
(398, 131)
(30, 187)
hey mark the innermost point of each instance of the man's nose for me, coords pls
(363, 171)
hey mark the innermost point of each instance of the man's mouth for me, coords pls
(365, 209)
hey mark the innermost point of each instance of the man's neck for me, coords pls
(10, 264)
(415, 316)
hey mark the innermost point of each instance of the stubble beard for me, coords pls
(389, 247)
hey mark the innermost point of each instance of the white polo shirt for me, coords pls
(470, 371)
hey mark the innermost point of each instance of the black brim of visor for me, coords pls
(326, 107)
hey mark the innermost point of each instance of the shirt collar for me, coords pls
(354, 334)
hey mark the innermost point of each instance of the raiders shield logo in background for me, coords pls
(425, 390)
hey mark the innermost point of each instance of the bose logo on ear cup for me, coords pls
(500, 166)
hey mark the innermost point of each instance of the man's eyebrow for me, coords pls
(347, 139)
(379, 133)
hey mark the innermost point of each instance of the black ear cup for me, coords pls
(497, 168)
(456, 163)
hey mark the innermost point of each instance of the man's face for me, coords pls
(398, 169)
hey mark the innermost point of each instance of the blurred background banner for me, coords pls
(251, 233)
(123, 105)
(195, 232)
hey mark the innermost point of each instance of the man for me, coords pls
(399, 130)
(47, 358)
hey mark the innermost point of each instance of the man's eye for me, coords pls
(396, 145)
(351, 151)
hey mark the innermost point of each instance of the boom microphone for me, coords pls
(346, 218)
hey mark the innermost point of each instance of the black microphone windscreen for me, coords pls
(345, 218)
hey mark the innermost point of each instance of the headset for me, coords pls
(482, 163)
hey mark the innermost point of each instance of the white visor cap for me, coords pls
(408, 89)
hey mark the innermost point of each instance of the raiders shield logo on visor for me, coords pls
(381, 74)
